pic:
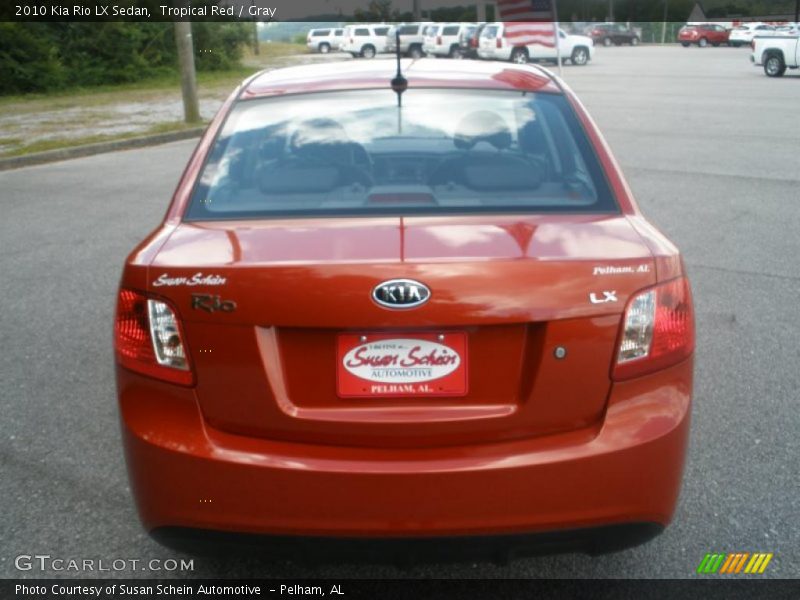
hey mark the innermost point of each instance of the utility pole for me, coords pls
(557, 38)
(797, 11)
(610, 10)
(417, 10)
(256, 45)
(664, 22)
(481, 11)
(183, 40)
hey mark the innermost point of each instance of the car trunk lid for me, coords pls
(271, 307)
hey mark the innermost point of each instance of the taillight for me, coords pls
(148, 338)
(499, 42)
(657, 329)
(438, 40)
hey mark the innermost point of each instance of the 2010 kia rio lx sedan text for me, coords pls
(373, 316)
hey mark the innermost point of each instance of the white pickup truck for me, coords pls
(776, 53)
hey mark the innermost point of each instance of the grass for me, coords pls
(104, 94)
(60, 143)
(274, 50)
(38, 115)
(80, 96)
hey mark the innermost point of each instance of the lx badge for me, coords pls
(607, 297)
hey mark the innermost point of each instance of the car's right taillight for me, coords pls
(148, 338)
(657, 329)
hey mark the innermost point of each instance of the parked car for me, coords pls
(457, 324)
(412, 38)
(497, 44)
(776, 54)
(470, 40)
(429, 37)
(788, 29)
(613, 33)
(444, 39)
(324, 40)
(703, 34)
(365, 40)
(744, 33)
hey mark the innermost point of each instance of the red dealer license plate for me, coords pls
(401, 364)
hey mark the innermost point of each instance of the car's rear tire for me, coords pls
(368, 51)
(324, 48)
(607, 42)
(455, 52)
(685, 44)
(415, 51)
(635, 41)
(702, 42)
(519, 56)
(580, 56)
(774, 66)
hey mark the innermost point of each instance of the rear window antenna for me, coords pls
(399, 83)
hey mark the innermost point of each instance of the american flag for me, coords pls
(528, 21)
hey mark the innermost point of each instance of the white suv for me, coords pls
(365, 40)
(494, 45)
(324, 40)
(744, 33)
(445, 39)
(412, 38)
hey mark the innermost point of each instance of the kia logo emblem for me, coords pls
(401, 293)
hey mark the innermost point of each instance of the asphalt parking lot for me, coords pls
(710, 148)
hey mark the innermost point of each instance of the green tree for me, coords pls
(29, 60)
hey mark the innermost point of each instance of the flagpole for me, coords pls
(558, 43)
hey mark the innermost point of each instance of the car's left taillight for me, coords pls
(148, 338)
(657, 329)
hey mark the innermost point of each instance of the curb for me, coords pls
(39, 158)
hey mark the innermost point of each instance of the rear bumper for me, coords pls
(627, 470)
(500, 548)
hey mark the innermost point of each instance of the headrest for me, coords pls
(318, 131)
(482, 126)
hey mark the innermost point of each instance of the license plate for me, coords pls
(401, 364)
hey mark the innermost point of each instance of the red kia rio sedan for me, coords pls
(420, 311)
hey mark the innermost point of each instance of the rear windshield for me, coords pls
(409, 29)
(356, 153)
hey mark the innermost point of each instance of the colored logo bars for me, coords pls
(735, 562)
